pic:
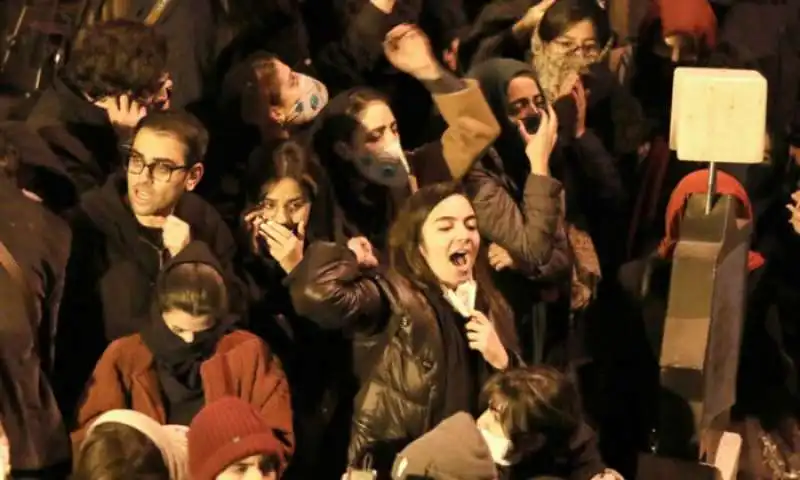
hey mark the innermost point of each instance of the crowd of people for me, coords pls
(376, 239)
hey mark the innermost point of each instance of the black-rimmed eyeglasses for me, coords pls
(160, 169)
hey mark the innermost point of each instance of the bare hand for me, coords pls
(176, 234)
(532, 17)
(385, 6)
(579, 95)
(5, 455)
(123, 112)
(499, 258)
(794, 208)
(540, 145)
(284, 246)
(608, 474)
(483, 338)
(364, 252)
(408, 49)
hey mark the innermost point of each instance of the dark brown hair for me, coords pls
(118, 57)
(114, 451)
(563, 14)
(289, 159)
(194, 288)
(405, 238)
(184, 126)
(261, 88)
(532, 402)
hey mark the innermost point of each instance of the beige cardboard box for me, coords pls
(718, 115)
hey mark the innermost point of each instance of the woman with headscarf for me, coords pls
(357, 141)
(517, 201)
(189, 354)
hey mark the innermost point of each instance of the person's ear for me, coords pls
(194, 176)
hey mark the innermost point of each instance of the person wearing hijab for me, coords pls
(188, 355)
(517, 200)
(128, 444)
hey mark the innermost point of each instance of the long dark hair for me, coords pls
(292, 160)
(358, 197)
(563, 14)
(405, 238)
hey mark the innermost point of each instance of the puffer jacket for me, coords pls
(403, 384)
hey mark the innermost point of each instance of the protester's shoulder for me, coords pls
(198, 212)
(246, 345)
(241, 340)
(128, 354)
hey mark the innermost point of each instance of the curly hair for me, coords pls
(118, 57)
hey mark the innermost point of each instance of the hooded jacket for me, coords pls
(697, 183)
(113, 268)
(242, 365)
(516, 209)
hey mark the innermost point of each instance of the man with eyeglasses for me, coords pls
(125, 231)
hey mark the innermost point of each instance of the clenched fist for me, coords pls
(176, 234)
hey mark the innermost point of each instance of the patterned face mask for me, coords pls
(389, 167)
(554, 62)
(311, 101)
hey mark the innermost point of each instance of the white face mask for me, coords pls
(311, 101)
(389, 167)
(498, 447)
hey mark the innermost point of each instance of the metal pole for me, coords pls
(712, 186)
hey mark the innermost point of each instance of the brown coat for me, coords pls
(242, 366)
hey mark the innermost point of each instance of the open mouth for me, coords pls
(459, 258)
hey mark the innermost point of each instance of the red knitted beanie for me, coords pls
(224, 432)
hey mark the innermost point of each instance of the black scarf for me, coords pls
(181, 361)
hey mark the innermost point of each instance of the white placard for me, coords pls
(718, 115)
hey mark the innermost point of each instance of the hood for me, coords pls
(41, 171)
(195, 252)
(697, 182)
(494, 76)
(694, 18)
(454, 449)
(171, 440)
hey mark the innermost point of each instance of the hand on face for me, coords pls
(284, 246)
(364, 252)
(541, 144)
(579, 95)
(176, 234)
(408, 49)
(483, 338)
(794, 208)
